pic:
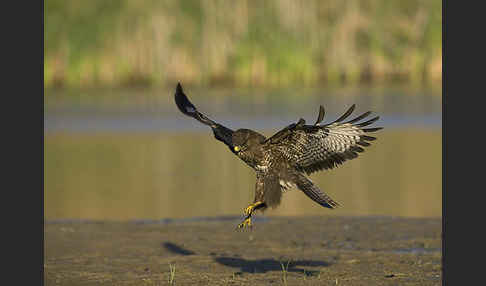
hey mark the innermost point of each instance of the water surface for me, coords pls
(130, 159)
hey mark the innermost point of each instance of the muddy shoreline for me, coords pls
(277, 251)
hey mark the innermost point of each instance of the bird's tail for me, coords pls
(312, 191)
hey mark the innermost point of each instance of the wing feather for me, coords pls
(368, 122)
(360, 117)
(320, 117)
(346, 114)
(311, 148)
(220, 132)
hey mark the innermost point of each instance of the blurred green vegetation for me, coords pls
(241, 43)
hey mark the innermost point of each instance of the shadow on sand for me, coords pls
(265, 265)
(258, 265)
(174, 248)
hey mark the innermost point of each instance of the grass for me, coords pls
(284, 272)
(171, 279)
(241, 43)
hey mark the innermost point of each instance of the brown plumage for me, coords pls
(283, 160)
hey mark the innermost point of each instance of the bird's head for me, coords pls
(243, 139)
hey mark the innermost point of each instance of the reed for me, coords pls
(241, 43)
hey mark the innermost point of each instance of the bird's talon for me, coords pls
(246, 222)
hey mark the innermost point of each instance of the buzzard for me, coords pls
(283, 160)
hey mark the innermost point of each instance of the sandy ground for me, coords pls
(277, 251)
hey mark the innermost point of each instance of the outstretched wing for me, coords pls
(221, 132)
(310, 148)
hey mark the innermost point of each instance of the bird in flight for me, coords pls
(284, 160)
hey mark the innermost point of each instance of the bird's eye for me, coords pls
(237, 148)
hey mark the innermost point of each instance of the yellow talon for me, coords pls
(249, 210)
(246, 222)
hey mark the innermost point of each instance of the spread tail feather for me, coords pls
(313, 192)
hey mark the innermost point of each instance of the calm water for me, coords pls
(131, 155)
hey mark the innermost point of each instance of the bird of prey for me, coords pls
(284, 160)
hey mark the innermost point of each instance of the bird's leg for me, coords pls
(248, 212)
(251, 208)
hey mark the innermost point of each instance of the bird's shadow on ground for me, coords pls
(257, 265)
(174, 248)
(265, 265)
